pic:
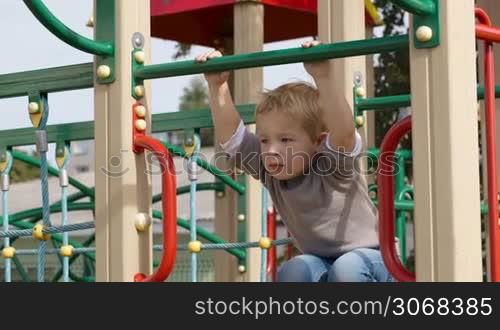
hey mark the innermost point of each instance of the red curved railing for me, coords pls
(386, 201)
(490, 34)
(169, 205)
(271, 233)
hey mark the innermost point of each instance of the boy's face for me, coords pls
(287, 149)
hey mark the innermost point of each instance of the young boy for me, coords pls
(305, 154)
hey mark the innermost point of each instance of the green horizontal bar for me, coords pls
(404, 205)
(54, 25)
(481, 92)
(85, 130)
(398, 101)
(54, 172)
(202, 118)
(199, 187)
(384, 102)
(276, 57)
(59, 79)
(417, 7)
(374, 153)
(210, 168)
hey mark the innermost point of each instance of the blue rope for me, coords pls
(5, 214)
(45, 190)
(263, 261)
(64, 207)
(192, 166)
(49, 230)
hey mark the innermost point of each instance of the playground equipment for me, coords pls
(123, 121)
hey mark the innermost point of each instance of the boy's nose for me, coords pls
(274, 149)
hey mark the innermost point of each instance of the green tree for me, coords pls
(392, 70)
(195, 97)
(23, 172)
(181, 50)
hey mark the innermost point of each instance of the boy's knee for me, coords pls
(353, 266)
(303, 268)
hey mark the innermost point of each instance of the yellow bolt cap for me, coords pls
(8, 252)
(265, 243)
(242, 268)
(360, 120)
(360, 92)
(33, 107)
(103, 72)
(66, 251)
(140, 57)
(140, 111)
(139, 91)
(424, 33)
(140, 124)
(194, 246)
(142, 222)
(90, 22)
(38, 233)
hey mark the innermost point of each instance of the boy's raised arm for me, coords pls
(224, 114)
(337, 113)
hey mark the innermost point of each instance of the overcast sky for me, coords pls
(27, 45)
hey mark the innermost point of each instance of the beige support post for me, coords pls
(371, 123)
(248, 84)
(445, 146)
(122, 187)
(493, 10)
(226, 210)
(344, 20)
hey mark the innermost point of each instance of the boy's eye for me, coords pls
(263, 141)
(286, 140)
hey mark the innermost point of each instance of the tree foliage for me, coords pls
(392, 70)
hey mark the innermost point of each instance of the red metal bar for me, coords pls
(271, 233)
(490, 99)
(487, 33)
(169, 203)
(386, 201)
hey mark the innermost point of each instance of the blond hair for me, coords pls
(298, 100)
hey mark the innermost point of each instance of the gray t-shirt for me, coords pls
(327, 211)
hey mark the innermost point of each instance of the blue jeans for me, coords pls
(359, 265)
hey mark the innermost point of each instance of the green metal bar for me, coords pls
(20, 269)
(53, 171)
(481, 92)
(277, 57)
(58, 79)
(410, 205)
(374, 153)
(207, 166)
(54, 25)
(26, 214)
(199, 187)
(417, 7)
(384, 102)
(401, 235)
(163, 122)
(398, 101)
(401, 218)
(193, 119)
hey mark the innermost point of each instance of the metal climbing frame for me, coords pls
(108, 51)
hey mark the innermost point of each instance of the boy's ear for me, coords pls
(321, 137)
